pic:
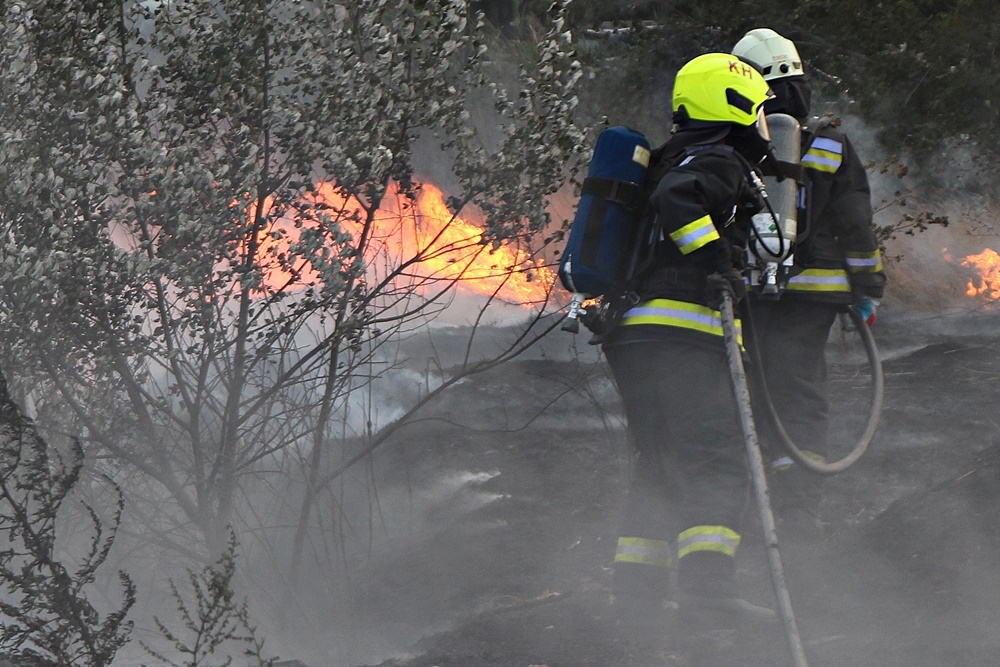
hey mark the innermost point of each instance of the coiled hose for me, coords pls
(877, 391)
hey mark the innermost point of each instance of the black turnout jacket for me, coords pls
(837, 255)
(702, 207)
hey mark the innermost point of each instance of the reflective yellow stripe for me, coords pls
(695, 234)
(864, 262)
(824, 154)
(821, 161)
(820, 280)
(717, 539)
(667, 312)
(643, 551)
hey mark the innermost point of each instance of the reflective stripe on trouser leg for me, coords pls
(642, 577)
(716, 539)
(643, 572)
(706, 563)
(642, 551)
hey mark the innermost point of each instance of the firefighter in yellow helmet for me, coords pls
(668, 359)
(836, 266)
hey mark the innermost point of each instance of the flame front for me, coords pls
(986, 283)
(436, 246)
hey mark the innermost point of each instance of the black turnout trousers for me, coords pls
(691, 468)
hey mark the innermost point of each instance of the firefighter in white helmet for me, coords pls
(836, 266)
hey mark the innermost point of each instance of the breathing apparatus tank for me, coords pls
(771, 250)
(606, 218)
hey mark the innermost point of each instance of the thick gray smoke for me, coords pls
(926, 261)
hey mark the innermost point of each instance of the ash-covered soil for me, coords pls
(512, 568)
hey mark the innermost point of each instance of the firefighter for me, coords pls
(667, 356)
(836, 266)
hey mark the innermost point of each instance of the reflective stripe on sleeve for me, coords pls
(824, 155)
(820, 280)
(695, 234)
(717, 539)
(864, 262)
(671, 313)
(643, 551)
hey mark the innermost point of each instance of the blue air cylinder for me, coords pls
(607, 213)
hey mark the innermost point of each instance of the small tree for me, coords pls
(215, 624)
(46, 619)
(202, 270)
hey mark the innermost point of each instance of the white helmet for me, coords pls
(775, 55)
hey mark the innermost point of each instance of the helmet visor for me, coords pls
(762, 128)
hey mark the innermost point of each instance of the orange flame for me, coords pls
(986, 283)
(439, 245)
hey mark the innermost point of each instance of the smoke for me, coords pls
(912, 202)
(440, 523)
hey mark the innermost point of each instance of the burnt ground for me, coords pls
(512, 570)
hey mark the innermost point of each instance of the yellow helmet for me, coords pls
(719, 88)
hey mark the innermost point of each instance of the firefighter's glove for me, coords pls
(867, 308)
(730, 281)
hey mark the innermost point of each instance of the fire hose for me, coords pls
(758, 476)
(876, 388)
